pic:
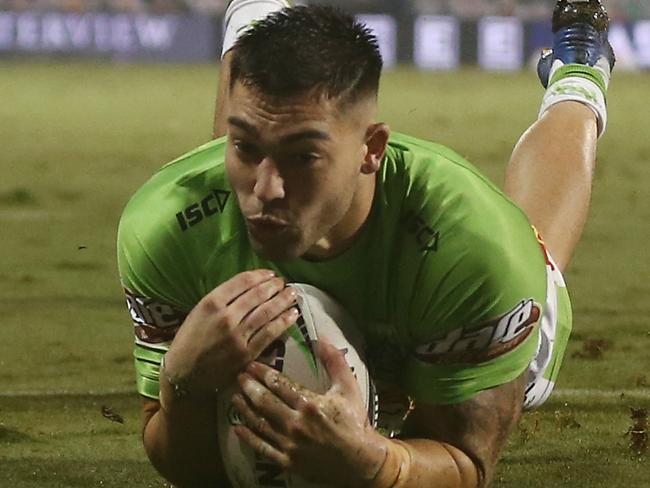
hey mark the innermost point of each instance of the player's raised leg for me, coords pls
(551, 169)
(240, 14)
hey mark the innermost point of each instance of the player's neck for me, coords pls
(344, 234)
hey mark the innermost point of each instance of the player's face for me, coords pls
(295, 165)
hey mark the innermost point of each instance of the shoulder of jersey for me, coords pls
(448, 207)
(423, 156)
(186, 191)
(435, 171)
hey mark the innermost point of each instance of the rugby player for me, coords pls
(462, 306)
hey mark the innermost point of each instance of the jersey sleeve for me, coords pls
(155, 287)
(169, 237)
(477, 277)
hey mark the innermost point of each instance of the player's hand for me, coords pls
(229, 328)
(323, 438)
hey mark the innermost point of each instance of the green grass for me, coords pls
(79, 138)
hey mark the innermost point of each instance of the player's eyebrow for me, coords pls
(306, 134)
(290, 138)
(243, 125)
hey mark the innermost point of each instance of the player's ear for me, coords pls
(376, 141)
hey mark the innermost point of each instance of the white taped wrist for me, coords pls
(241, 14)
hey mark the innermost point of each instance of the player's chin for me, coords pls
(280, 247)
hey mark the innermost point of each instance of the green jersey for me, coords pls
(446, 279)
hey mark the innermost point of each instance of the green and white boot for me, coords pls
(579, 66)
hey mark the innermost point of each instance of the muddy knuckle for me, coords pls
(296, 428)
(276, 380)
(311, 408)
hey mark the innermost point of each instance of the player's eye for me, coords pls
(244, 147)
(246, 151)
(307, 158)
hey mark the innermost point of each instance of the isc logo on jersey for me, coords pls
(494, 339)
(293, 355)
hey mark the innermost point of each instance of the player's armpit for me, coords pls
(475, 430)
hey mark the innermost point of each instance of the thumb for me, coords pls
(343, 381)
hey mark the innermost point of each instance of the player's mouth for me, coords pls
(266, 226)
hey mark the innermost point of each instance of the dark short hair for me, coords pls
(300, 49)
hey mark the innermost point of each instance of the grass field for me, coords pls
(78, 139)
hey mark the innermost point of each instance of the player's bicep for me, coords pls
(478, 427)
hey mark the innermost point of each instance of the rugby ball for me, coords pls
(294, 355)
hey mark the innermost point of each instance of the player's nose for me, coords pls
(269, 183)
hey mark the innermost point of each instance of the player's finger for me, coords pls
(338, 369)
(268, 311)
(257, 423)
(264, 401)
(269, 332)
(261, 447)
(238, 284)
(286, 390)
(245, 303)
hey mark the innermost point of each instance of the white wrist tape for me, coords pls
(241, 14)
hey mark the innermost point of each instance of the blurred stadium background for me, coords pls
(96, 95)
(434, 34)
